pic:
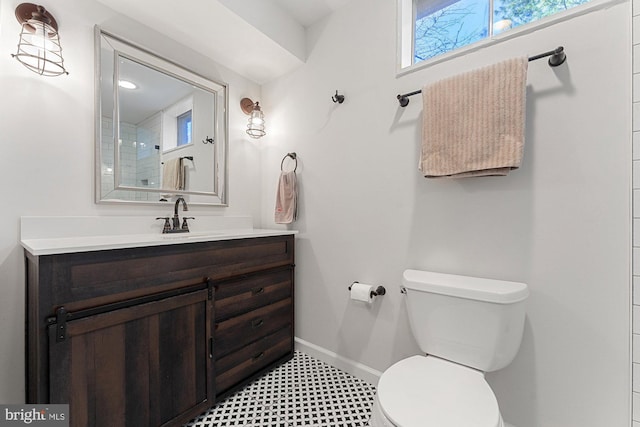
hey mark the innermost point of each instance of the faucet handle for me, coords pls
(185, 225)
(167, 225)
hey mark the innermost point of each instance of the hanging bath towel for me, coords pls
(473, 124)
(173, 176)
(287, 198)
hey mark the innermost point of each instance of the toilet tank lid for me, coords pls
(476, 288)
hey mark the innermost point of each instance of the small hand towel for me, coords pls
(173, 176)
(286, 198)
(473, 124)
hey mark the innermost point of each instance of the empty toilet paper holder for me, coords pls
(380, 290)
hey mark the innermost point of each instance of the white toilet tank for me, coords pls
(468, 320)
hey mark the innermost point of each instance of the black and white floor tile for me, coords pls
(301, 392)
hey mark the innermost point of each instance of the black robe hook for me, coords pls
(338, 98)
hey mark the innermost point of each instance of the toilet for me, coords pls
(466, 326)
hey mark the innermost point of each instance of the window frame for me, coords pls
(405, 11)
(169, 132)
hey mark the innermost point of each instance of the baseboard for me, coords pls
(352, 367)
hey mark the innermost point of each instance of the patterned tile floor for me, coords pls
(302, 392)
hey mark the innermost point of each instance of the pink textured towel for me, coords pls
(473, 124)
(173, 174)
(287, 198)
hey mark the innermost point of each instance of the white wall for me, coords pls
(46, 150)
(561, 223)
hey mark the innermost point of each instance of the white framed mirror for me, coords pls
(161, 129)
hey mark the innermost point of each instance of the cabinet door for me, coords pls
(146, 365)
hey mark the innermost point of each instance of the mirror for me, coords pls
(161, 129)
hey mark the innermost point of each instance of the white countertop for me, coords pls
(42, 235)
(61, 245)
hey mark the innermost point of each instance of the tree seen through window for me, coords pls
(444, 25)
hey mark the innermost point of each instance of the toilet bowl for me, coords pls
(466, 326)
(429, 391)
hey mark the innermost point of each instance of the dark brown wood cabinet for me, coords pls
(153, 336)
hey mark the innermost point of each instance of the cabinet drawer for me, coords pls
(239, 331)
(240, 296)
(235, 367)
(253, 350)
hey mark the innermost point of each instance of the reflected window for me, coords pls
(184, 128)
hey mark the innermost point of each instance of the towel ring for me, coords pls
(294, 156)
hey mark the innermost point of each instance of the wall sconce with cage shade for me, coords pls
(39, 47)
(255, 127)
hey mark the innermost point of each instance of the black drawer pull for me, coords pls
(255, 324)
(257, 356)
(257, 290)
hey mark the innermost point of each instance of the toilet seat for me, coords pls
(428, 391)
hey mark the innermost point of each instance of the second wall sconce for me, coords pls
(255, 127)
(39, 47)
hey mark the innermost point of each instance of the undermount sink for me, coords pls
(191, 235)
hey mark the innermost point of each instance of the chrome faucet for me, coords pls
(174, 226)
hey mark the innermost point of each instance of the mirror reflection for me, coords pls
(169, 135)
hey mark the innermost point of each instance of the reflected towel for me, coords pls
(473, 124)
(173, 174)
(286, 198)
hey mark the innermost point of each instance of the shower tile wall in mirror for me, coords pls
(161, 129)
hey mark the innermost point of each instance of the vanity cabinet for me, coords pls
(156, 335)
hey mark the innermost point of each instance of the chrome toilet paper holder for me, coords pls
(380, 290)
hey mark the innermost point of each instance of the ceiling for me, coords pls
(308, 12)
(259, 39)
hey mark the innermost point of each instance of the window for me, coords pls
(184, 128)
(440, 26)
(177, 125)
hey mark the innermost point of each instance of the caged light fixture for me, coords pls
(255, 127)
(39, 47)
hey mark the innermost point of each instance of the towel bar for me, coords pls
(557, 57)
(185, 157)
